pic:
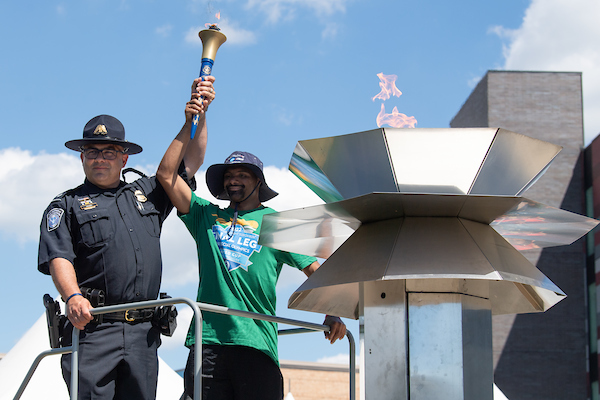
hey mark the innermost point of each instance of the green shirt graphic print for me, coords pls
(236, 272)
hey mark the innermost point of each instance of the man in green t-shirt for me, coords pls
(239, 355)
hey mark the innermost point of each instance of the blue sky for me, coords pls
(290, 70)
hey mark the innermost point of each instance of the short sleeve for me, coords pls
(192, 219)
(298, 261)
(55, 235)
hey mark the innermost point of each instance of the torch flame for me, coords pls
(395, 119)
(208, 25)
(388, 87)
(387, 83)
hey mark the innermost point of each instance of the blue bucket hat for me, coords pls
(214, 175)
(104, 129)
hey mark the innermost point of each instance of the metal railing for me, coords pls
(196, 308)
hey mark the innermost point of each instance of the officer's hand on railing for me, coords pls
(78, 311)
(337, 329)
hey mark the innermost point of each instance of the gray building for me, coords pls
(543, 356)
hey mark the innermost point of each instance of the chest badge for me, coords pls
(140, 196)
(85, 203)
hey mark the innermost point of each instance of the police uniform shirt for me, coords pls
(111, 236)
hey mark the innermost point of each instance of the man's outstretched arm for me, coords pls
(336, 325)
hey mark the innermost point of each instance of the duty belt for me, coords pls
(132, 316)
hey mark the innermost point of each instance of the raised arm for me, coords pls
(182, 148)
(194, 153)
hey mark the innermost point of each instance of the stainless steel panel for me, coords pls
(472, 287)
(450, 347)
(319, 235)
(523, 222)
(427, 248)
(340, 300)
(437, 160)
(506, 297)
(320, 230)
(487, 161)
(513, 163)
(534, 225)
(385, 358)
(303, 166)
(440, 247)
(486, 209)
(355, 164)
(363, 257)
(510, 264)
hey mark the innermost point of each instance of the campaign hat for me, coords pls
(104, 129)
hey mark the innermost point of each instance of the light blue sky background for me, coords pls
(290, 70)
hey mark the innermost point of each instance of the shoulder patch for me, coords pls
(53, 218)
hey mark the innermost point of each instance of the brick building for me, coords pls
(317, 381)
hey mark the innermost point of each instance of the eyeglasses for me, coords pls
(107, 154)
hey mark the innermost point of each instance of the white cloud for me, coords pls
(29, 182)
(125, 5)
(473, 81)
(284, 116)
(235, 34)
(191, 36)
(330, 31)
(277, 10)
(560, 35)
(164, 30)
(61, 9)
(341, 358)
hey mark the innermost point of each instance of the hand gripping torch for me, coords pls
(211, 39)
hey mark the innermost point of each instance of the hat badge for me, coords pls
(100, 130)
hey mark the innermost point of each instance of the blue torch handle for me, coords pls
(205, 70)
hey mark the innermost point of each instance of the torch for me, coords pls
(211, 39)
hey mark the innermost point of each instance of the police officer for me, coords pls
(104, 235)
